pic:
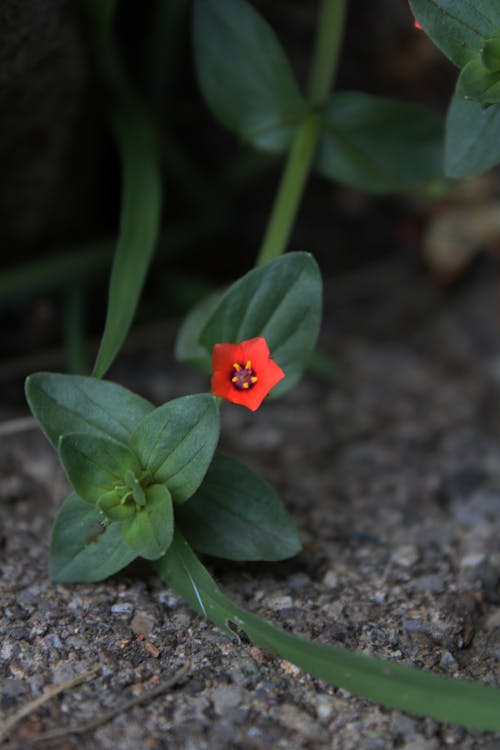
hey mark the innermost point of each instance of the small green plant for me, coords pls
(149, 481)
(469, 35)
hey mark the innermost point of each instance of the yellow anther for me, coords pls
(246, 385)
(235, 379)
(248, 365)
(236, 367)
(254, 378)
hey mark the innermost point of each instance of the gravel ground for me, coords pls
(392, 474)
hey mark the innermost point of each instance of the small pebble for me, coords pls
(406, 555)
(142, 623)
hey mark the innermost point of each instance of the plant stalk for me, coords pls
(290, 190)
(328, 43)
(329, 33)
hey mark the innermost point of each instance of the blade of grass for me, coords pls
(395, 685)
(140, 223)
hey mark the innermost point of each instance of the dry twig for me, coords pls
(93, 724)
(49, 693)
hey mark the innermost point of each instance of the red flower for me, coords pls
(244, 373)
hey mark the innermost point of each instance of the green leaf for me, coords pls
(281, 301)
(472, 142)
(385, 682)
(140, 223)
(95, 464)
(379, 145)
(458, 27)
(187, 346)
(176, 442)
(83, 549)
(479, 83)
(150, 531)
(235, 514)
(72, 403)
(490, 54)
(244, 75)
(115, 507)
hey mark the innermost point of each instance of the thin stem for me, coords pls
(329, 33)
(328, 43)
(290, 190)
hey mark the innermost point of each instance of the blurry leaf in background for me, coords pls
(187, 345)
(461, 228)
(472, 142)
(244, 75)
(458, 27)
(379, 145)
(236, 515)
(83, 550)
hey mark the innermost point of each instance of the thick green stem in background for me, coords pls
(328, 43)
(329, 35)
(290, 190)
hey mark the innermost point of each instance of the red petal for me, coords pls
(224, 356)
(221, 385)
(257, 351)
(271, 375)
(252, 398)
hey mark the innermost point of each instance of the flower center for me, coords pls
(243, 377)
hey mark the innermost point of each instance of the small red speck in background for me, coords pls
(417, 25)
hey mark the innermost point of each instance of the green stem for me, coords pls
(330, 32)
(301, 155)
(290, 191)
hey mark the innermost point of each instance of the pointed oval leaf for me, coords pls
(281, 301)
(83, 549)
(151, 529)
(236, 515)
(458, 27)
(244, 74)
(94, 464)
(73, 403)
(379, 145)
(472, 142)
(176, 442)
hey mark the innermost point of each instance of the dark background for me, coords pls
(60, 178)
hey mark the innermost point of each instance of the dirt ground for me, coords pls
(392, 474)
